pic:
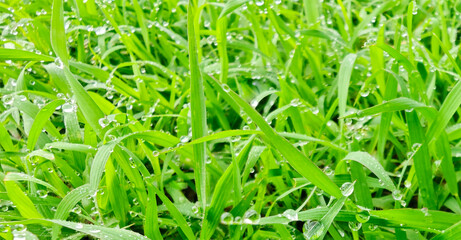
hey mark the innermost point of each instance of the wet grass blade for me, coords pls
(22, 55)
(298, 160)
(344, 77)
(22, 202)
(373, 165)
(41, 119)
(198, 110)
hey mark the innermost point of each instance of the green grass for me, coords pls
(244, 119)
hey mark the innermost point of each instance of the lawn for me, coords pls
(239, 119)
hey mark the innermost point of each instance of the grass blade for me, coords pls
(373, 165)
(41, 119)
(298, 160)
(198, 110)
(23, 203)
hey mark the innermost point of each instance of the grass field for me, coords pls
(242, 119)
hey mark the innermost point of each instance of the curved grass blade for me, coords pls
(373, 165)
(40, 120)
(104, 152)
(231, 6)
(397, 104)
(449, 106)
(68, 203)
(450, 233)
(12, 176)
(22, 202)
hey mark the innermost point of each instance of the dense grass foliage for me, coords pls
(253, 119)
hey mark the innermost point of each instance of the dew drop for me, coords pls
(59, 63)
(227, 218)
(354, 226)
(365, 93)
(195, 209)
(68, 108)
(184, 139)
(347, 189)
(328, 171)
(291, 214)
(397, 195)
(313, 229)
(225, 87)
(8, 99)
(251, 217)
(403, 203)
(315, 110)
(415, 8)
(259, 3)
(236, 138)
(104, 122)
(425, 211)
(42, 193)
(407, 183)
(295, 102)
(362, 216)
(415, 147)
(372, 227)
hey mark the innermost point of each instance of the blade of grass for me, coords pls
(40, 120)
(22, 55)
(374, 166)
(22, 202)
(198, 109)
(344, 77)
(67, 204)
(298, 160)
